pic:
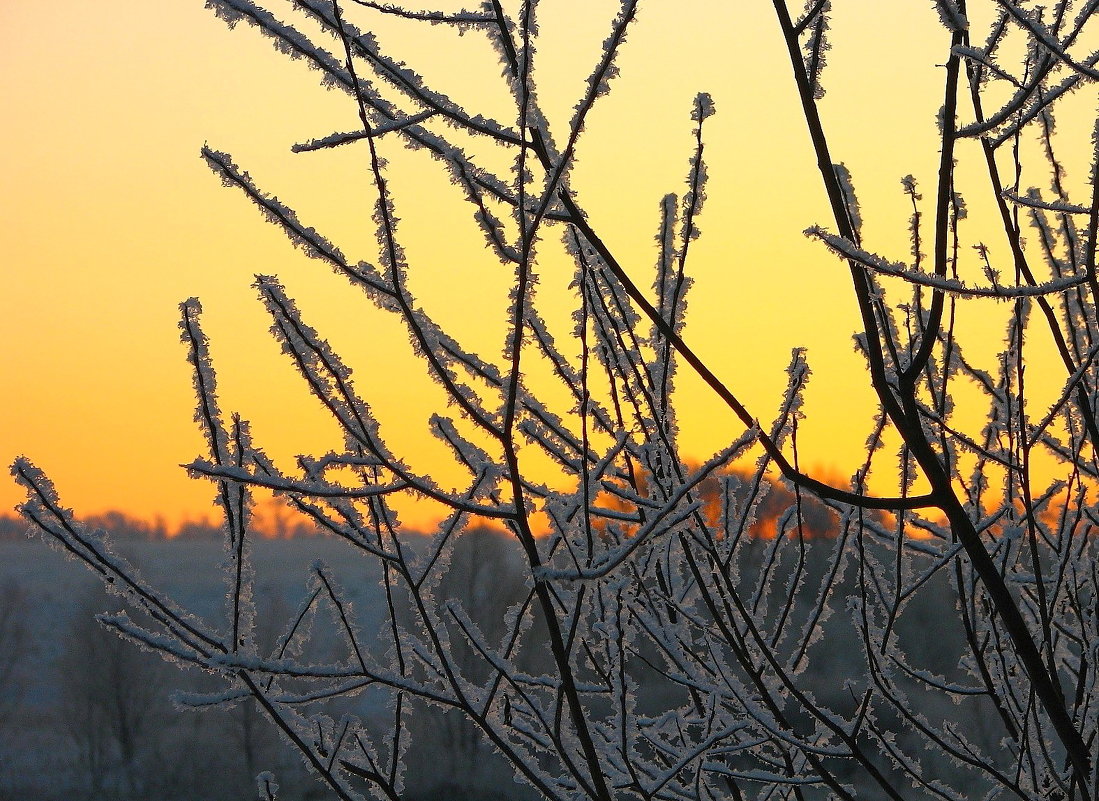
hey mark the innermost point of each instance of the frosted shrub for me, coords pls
(655, 644)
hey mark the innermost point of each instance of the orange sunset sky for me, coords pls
(110, 218)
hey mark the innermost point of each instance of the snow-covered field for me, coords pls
(62, 730)
(87, 716)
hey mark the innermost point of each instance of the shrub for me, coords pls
(655, 650)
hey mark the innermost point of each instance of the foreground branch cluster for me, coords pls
(658, 646)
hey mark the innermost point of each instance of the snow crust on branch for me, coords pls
(848, 250)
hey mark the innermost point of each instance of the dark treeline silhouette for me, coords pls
(274, 520)
(271, 520)
(120, 525)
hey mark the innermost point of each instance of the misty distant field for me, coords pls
(68, 734)
(46, 750)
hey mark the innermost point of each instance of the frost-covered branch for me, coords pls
(635, 625)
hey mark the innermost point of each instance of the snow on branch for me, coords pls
(1026, 104)
(850, 199)
(1033, 200)
(462, 170)
(598, 84)
(671, 514)
(337, 139)
(325, 372)
(981, 57)
(313, 489)
(1045, 38)
(816, 46)
(288, 40)
(472, 457)
(951, 16)
(207, 413)
(1070, 386)
(401, 77)
(848, 250)
(184, 631)
(363, 274)
(464, 18)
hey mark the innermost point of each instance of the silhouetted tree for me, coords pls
(114, 708)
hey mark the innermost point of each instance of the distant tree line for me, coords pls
(275, 520)
(271, 520)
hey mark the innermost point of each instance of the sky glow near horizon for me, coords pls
(111, 218)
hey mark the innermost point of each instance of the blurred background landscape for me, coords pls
(85, 715)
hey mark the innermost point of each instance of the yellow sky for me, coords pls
(110, 219)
